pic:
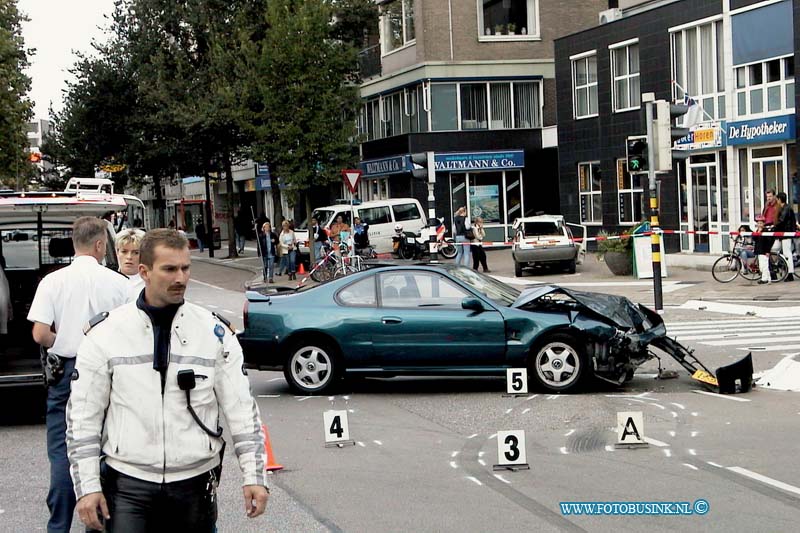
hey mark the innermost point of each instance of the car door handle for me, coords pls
(391, 320)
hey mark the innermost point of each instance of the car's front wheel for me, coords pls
(559, 364)
(312, 367)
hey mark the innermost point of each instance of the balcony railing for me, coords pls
(369, 61)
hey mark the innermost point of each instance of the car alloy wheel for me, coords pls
(557, 365)
(310, 369)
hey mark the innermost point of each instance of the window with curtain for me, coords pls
(473, 106)
(625, 74)
(584, 86)
(397, 24)
(699, 68)
(500, 95)
(526, 105)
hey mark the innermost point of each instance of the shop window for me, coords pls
(589, 192)
(584, 86)
(486, 197)
(630, 194)
(397, 25)
(698, 67)
(625, 77)
(405, 212)
(766, 86)
(504, 19)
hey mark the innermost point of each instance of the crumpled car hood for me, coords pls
(617, 309)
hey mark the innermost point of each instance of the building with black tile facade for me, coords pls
(735, 60)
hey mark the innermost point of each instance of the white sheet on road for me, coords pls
(783, 376)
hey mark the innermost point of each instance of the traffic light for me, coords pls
(665, 134)
(423, 166)
(636, 152)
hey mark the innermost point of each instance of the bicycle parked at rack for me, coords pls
(728, 267)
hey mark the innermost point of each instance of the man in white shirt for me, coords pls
(65, 301)
(127, 245)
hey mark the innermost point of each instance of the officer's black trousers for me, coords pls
(138, 506)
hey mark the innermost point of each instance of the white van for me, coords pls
(380, 215)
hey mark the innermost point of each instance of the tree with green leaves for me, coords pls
(16, 108)
(306, 127)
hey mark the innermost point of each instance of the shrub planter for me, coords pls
(619, 263)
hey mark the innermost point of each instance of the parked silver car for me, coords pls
(546, 240)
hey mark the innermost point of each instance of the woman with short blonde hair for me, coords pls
(127, 244)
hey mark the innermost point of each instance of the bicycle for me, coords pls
(728, 267)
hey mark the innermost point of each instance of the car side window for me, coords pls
(375, 215)
(403, 212)
(419, 290)
(359, 294)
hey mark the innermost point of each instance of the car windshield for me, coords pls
(535, 229)
(322, 216)
(496, 291)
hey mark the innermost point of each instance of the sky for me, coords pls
(56, 29)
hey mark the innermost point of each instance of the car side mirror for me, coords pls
(472, 304)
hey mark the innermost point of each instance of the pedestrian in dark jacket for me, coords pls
(241, 225)
(269, 250)
(200, 233)
(785, 221)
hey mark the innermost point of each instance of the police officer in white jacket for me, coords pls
(138, 369)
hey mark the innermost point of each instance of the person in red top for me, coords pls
(770, 212)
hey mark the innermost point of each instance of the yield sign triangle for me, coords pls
(351, 179)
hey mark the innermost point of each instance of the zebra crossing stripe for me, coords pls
(731, 335)
(754, 341)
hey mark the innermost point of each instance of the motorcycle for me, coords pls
(410, 245)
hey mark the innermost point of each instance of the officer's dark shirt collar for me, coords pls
(161, 317)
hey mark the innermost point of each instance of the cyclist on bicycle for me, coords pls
(746, 247)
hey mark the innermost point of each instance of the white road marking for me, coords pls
(453, 464)
(563, 450)
(331, 398)
(674, 414)
(269, 395)
(362, 444)
(212, 306)
(714, 464)
(472, 436)
(776, 339)
(304, 398)
(379, 443)
(481, 454)
(689, 465)
(745, 336)
(274, 379)
(667, 452)
(552, 397)
(764, 479)
(609, 448)
(695, 413)
(694, 433)
(570, 432)
(722, 396)
(678, 405)
(351, 410)
(531, 397)
(501, 478)
(528, 409)
(228, 311)
(671, 433)
(454, 454)
(737, 309)
(493, 435)
(659, 406)
(692, 452)
(509, 410)
(206, 284)
(475, 480)
(717, 323)
(482, 462)
(655, 442)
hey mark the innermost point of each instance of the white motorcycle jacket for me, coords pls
(117, 406)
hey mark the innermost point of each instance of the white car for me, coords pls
(546, 240)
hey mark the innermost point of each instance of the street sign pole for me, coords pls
(432, 233)
(648, 99)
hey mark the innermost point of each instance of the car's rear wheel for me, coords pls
(559, 364)
(517, 269)
(313, 367)
(571, 266)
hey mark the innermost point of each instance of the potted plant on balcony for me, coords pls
(616, 253)
(498, 29)
(512, 29)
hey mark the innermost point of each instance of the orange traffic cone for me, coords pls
(301, 269)
(271, 464)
